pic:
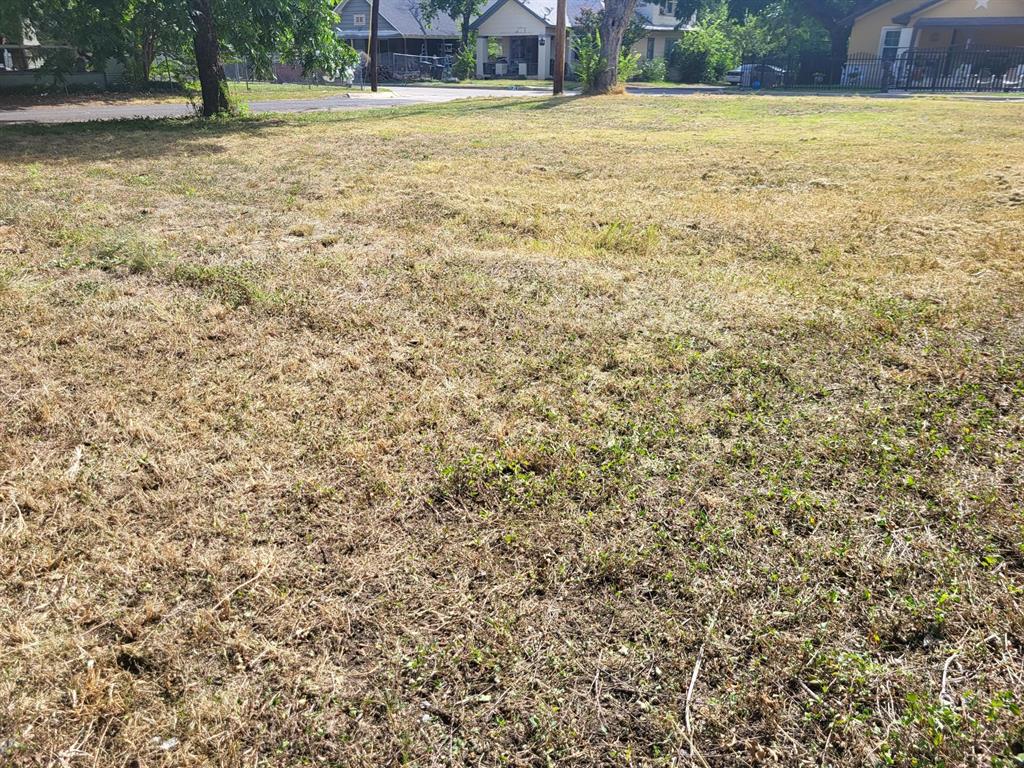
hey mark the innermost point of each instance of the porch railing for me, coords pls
(915, 69)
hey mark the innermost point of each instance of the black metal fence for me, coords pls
(991, 70)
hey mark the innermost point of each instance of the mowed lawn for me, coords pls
(622, 431)
(241, 92)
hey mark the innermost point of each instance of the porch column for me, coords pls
(481, 55)
(543, 56)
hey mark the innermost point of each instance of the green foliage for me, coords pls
(777, 27)
(653, 70)
(137, 32)
(131, 32)
(778, 30)
(10, 23)
(301, 32)
(708, 52)
(589, 62)
(465, 62)
(588, 22)
(462, 11)
(629, 64)
(234, 285)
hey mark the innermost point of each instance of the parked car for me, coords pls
(749, 74)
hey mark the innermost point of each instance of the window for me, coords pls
(523, 49)
(669, 47)
(895, 41)
(668, 7)
(359, 19)
(650, 48)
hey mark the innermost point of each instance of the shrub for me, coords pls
(703, 55)
(589, 62)
(629, 64)
(708, 52)
(653, 70)
(464, 65)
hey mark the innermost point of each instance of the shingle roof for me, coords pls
(545, 10)
(406, 18)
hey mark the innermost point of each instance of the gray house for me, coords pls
(402, 30)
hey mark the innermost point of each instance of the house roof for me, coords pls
(544, 11)
(900, 18)
(863, 8)
(406, 18)
(904, 18)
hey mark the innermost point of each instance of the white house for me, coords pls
(525, 32)
(663, 29)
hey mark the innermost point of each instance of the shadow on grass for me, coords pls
(125, 139)
(16, 100)
(139, 138)
(460, 107)
(554, 102)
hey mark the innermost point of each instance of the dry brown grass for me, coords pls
(464, 434)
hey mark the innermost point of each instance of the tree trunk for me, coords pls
(558, 76)
(614, 21)
(148, 54)
(373, 45)
(145, 52)
(207, 49)
(467, 15)
(839, 37)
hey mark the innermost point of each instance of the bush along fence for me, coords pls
(991, 70)
(34, 67)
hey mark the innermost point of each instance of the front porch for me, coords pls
(523, 56)
(968, 35)
(939, 69)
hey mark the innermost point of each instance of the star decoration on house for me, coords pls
(980, 4)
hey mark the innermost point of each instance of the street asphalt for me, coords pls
(396, 96)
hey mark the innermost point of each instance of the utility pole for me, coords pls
(373, 53)
(559, 73)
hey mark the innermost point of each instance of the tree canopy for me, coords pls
(762, 26)
(588, 22)
(461, 10)
(135, 32)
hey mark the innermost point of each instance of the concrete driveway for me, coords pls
(396, 97)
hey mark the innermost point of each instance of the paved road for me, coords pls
(399, 96)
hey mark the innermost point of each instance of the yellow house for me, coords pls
(887, 26)
(938, 43)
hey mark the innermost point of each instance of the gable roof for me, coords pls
(900, 18)
(545, 11)
(863, 8)
(405, 17)
(904, 18)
